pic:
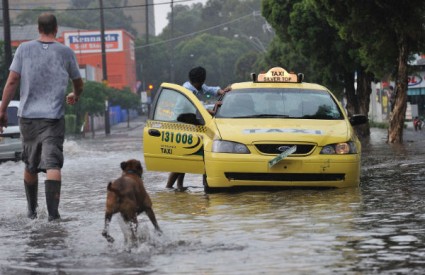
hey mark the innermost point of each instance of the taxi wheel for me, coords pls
(207, 189)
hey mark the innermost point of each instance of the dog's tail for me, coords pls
(116, 191)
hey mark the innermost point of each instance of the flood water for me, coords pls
(377, 228)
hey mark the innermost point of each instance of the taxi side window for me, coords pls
(171, 105)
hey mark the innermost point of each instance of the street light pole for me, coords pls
(104, 69)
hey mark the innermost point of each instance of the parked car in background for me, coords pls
(10, 142)
(274, 130)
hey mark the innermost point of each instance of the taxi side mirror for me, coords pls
(358, 119)
(189, 118)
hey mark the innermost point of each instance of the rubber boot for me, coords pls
(31, 191)
(53, 191)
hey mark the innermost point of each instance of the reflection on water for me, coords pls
(376, 228)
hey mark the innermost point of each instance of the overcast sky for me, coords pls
(161, 12)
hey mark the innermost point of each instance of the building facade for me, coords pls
(120, 55)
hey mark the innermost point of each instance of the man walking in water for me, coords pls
(43, 68)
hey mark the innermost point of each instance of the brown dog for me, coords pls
(127, 195)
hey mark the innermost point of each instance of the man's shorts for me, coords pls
(42, 142)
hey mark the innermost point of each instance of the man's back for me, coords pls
(45, 69)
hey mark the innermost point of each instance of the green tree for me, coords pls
(388, 32)
(308, 43)
(83, 15)
(91, 103)
(126, 99)
(216, 54)
(246, 34)
(29, 17)
(153, 62)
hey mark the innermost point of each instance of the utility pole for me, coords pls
(6, 31)
(147, 21)
(172, 44)
(104, 69)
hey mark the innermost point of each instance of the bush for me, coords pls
(382, 125)
(374, 124)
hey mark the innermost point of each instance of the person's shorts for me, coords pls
(42, 142)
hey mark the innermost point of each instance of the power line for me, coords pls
(195, 32)
(185, 35)
(105, 8)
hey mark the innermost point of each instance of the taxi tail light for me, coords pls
(224, 146)
(342, 148)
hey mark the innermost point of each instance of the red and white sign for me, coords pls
(416, 80)
(90, 41)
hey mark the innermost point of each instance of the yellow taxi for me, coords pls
(275, 130)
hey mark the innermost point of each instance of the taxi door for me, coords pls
(174, 132)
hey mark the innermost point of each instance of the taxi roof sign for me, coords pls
(278, 74)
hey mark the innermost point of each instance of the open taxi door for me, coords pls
(174, 132)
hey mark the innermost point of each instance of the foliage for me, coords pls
(379, 27)
(216, 54)
(306, 42)
(222, 36)
(124, 98)
(153, 62)
(92, 101)
(83, 15)
(70, 124)
(388, 31)
(29, 17)
(381, 125)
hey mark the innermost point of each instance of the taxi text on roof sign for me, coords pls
(278, 74)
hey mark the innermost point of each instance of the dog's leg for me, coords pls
(152, 217)
(105, 232)
(133, 228)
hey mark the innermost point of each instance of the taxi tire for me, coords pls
(208, 189)
(205, 183)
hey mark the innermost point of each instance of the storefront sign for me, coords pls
(90, 41)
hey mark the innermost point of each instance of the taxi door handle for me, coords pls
(154, 132)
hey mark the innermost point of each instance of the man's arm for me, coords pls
(215, 90)
(74, 96)
(8, 94)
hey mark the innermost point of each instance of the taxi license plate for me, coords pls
(283, 155)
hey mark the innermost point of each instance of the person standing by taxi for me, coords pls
(196, 84)
(43, 68)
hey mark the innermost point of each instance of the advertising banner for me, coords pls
(90, 41)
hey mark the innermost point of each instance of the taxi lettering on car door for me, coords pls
(173, 136)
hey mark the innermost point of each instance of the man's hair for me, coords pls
(197, 75)
(47, 23)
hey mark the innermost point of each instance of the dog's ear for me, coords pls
(139, 166)
(123, 165)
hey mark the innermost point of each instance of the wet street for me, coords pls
(378, 228)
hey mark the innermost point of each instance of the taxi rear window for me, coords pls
(279, 103)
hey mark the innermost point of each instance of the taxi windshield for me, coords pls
(279, 103)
